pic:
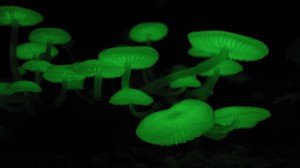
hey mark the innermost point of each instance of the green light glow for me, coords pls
(194, 52)
(36, 65)
(226, 68)
(219, 132)
(25, 87)
(98, 70)
(128, 96)
(53, 35)
(24, 17)
(148, 32)
(28, 51)
(76, 85)
(22, 71)
(241, 47)
(190, 81)
(244, 116)
(182, 122)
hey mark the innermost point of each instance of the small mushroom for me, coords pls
(38, 67)
(30, 51)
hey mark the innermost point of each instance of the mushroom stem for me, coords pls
(37, 77)
(141, 115)
(126, 78)
(84, 98)
(202, 67)
(98, 88)
(48, 51)
(206, 90)
(62, 96)
(13, 49)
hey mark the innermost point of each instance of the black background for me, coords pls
(84, 130)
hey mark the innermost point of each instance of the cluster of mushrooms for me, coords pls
(184, 121)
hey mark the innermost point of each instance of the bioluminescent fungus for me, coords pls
(226, 68)
(148, 32)
(5, 89)
(15, 16)
(219, 132)
(26, 87)
(62, 74)
(98, 70)
(38, 67)
(198, 53)
(22, 71)
(225, 44)
(49, 36)
(5, 92)
(29, 51)
(182, 122)
(129, 96)
(244, 116)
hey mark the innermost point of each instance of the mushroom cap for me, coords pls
(5, 89)
(219, 132)
(76, 84)
(182, 122)
(22, 71)
(226, 68)
(140, 57)
(190, 81)
(28, 51)
(54, 35)
(25, 86)
(153, 31)
(128, 96)
(24, 16)
(244, 116)
(92, 68)
(240, 47)
(195, 52)
(36, 65)
(61, 73)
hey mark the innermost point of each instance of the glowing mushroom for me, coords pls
(98, 70)
(182, 122)
(38, 67)
(227, 45)
(15, 16)
(49, 36)
(64, 75)
(148, 32)
(29, 51)
(244, 116)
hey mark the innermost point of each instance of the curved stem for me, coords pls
(48, 51)
(13, 50)
(206, 90)
(98, 88)
(62, 96)
(201, 67)
(141, 115)
(126, 78)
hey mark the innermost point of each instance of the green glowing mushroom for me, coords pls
(26, 87)
(190, 81)
(49, 36)
(22, 71)
(195, 52)
(65, 75)
(29, 51)
(244, 116)
(227, 46)
(15, 16)
(130, 58)
(182, 122)
(5, 91)
(38, 67)
(129, 96)
(148, 32)
(219, 132)
(98, 70)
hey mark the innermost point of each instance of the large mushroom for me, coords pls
(182, 122)
(15, 16)
(227, 46)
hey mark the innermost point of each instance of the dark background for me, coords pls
(82, 131)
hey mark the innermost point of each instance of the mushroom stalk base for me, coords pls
(62, 96)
